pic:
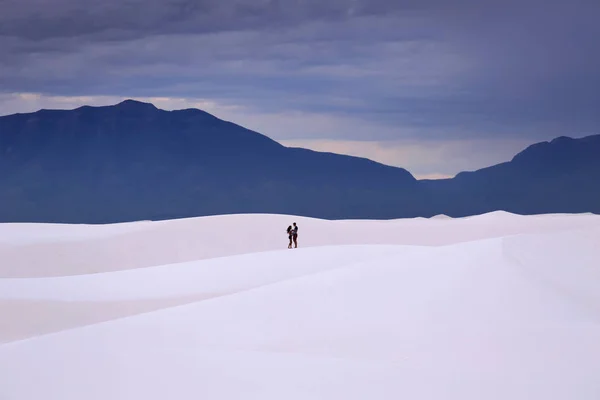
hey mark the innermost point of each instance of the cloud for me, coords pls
(345, 70)
(118, 19)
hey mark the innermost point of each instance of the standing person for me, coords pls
(295, 235)
(289, 232)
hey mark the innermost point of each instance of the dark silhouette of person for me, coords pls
(289, 232)
(295, 235)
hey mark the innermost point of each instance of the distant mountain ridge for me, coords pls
(133, 161)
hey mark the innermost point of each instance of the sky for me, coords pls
(434, 86)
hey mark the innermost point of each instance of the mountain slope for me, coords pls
(562, 175)
(133, 161)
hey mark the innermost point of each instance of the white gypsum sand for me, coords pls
(495, 306)
(37, 250)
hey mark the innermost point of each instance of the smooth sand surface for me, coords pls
(26, 318)
(498, 317)
(65, 276)
(85, 249)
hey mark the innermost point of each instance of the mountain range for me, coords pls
(132, 161)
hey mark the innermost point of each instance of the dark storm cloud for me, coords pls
(454, 68)
(39, 19)
(43, 19)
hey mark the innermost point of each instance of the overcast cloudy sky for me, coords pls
(435, 86)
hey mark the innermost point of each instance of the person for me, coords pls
(289, 232)
(295, 235)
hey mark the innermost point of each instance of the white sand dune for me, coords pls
(497, 306)
(43, 305)
(28, 318)
(219, 275)
(37, 250)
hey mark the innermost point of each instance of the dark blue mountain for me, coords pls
(562, 175)
(132, 161)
